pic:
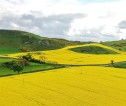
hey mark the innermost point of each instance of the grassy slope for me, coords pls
(120, 45)
(95, 48)
(12, 40)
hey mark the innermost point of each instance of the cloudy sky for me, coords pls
(84, 20)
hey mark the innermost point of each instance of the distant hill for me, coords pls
(120, 45)
(13, 41)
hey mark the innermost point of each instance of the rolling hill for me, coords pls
(120, 44)
(85, 80)
(13, 41)
(67, 56)
(95, 49)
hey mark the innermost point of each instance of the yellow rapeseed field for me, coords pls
(66, 56)
(72, 86)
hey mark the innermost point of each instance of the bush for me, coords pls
(22, 62)
(29, 57)
(8, 64)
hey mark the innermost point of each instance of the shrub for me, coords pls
(8, 64)
(27, 57)
(22, 62)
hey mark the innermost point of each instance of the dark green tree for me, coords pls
(17, 68)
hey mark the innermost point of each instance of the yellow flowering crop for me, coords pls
(73, 86)
(70, 86)
(66, 56)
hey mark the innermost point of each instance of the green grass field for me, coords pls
(9, 50)
(33, 67)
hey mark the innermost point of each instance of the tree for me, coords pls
(17, 68)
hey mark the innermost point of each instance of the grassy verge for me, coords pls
(119, 65)
(33, 67)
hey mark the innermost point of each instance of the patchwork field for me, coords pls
(69, 86)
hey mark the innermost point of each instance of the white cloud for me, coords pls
(102, 21)
(98, 20)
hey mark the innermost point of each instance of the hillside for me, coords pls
(94, 49)
(120, 45)
(13, 41)
(67, 56)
